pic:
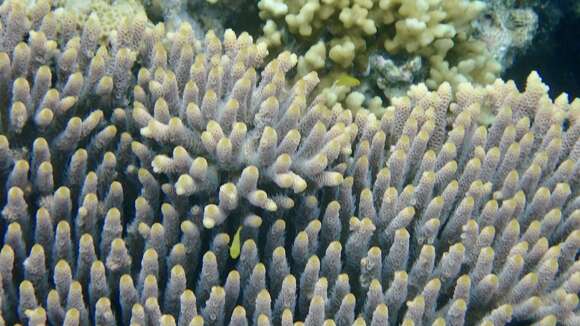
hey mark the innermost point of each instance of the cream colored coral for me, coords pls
(272, 8)
(272, 36)
(429, 28)
(354, 101)
(357, 16)
(342, 52)
(313, 59)
(301, 22)
(475, 65)
(334, 94)
(375, 106)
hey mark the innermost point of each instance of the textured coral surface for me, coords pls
(159, 179)
(440, 31)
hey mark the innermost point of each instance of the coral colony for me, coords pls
(159, 178)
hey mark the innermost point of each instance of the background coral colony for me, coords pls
(289, 162)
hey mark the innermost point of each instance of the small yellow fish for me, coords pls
(347, 80)
(235, 247)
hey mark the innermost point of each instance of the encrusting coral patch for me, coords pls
(110, 13)
(160, 179)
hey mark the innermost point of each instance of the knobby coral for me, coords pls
(160, 179)
(346, 31)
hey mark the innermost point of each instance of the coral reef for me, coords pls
(439, 31)
(507, 29)
(109, 12)
(394, 77)
(162, 179)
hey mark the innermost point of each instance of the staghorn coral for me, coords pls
(128, 175)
